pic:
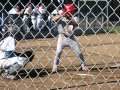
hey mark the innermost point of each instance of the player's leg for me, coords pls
(1, 66)
(27, 23)
(34, 21)
(74, 45)
(58, 54)
(9, 72)
(11, 67)
(40, 22)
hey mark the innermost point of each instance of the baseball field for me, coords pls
(102, 55)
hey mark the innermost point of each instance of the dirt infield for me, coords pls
(102, 57)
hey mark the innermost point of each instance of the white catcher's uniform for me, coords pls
(11, 61)
(8, 44)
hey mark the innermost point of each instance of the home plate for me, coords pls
(117, 65)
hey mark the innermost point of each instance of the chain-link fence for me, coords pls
(59, 44)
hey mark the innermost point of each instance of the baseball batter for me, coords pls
(66, 26)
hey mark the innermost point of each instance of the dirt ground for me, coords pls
(101, 53)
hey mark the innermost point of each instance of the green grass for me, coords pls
(115, 29)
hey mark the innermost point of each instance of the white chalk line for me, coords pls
(117, 65)
(80, 74)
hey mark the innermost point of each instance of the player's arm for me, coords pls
(74, 23)
(56, 18)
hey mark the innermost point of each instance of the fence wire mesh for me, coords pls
(59, 44)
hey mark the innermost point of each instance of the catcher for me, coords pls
(11, 62)
(66, 26)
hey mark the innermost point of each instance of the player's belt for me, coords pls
(26, 14)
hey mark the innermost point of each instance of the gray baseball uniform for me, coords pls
(67, 39)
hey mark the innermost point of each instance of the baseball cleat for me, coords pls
(54, 70)
(84, 68)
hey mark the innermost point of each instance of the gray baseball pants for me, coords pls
(70, 42)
